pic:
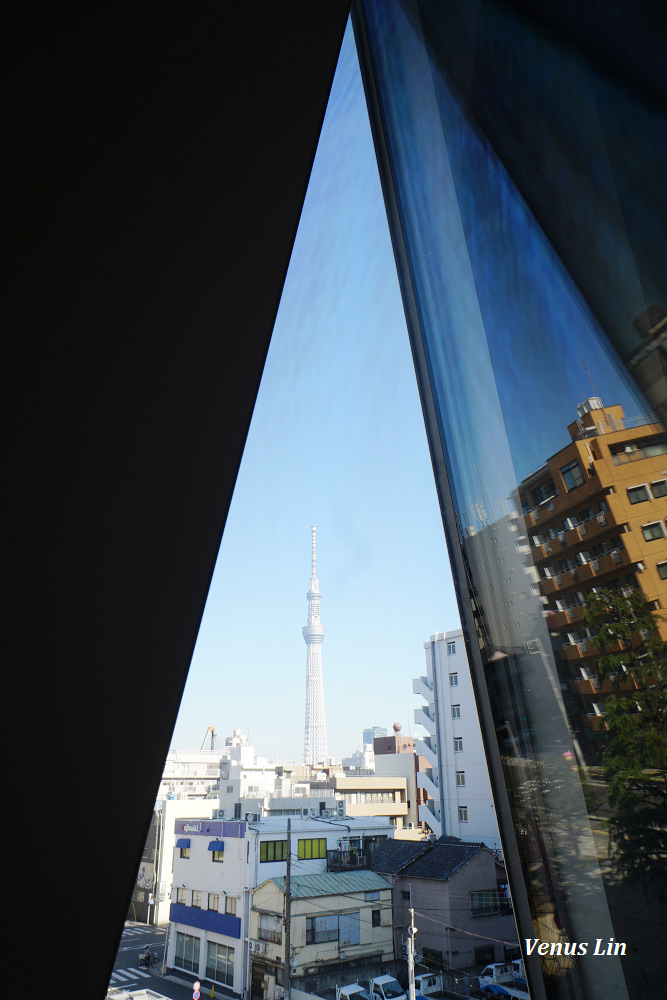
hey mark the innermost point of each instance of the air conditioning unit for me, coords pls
(340, 808)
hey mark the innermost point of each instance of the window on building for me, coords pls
(185, 852)
(230, 789)
(230, 905)
(460, 778)
(652, 532)
(196, 898)
(451, 648)
(659, 488)
(638, 494)
(405, 894)
(180, 896)
(315, 848)
(458, 744)
(322, 928)
(662, 570)
(483, 902)
(270, 928)
(213, 901)
(375, 918)
(456, 711)
(218, 855)
(573, 475)
(371, 896)
(453, 680)
(273, 850)
(463, 814)
(220, 963)
(187, 952)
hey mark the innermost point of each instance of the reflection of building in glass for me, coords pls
(456, 780)
(595, 514)
(522, 170)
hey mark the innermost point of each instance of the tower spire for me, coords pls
(315, 739)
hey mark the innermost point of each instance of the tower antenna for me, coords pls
(315, 736)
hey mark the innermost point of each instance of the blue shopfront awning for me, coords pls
(216, 845)
(183, 842)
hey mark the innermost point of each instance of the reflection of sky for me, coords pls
(508, 337)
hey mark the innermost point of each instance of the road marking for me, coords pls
(123, 975)
(138, 972)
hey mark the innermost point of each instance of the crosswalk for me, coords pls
(119, 976)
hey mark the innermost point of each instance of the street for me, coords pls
(127, 973)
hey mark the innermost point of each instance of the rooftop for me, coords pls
(439, 859)
(332, 884)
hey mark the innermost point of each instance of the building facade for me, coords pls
(340, 930)
(216, 866)
(456, 779)
(458, 890)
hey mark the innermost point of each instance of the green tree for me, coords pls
(634, 658)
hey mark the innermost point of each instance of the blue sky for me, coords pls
(337, 440)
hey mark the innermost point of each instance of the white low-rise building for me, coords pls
(458, 783)
(217, 865)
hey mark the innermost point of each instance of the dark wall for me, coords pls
(160, 156)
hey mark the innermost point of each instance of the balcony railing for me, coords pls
(275, 937)
(345, 861)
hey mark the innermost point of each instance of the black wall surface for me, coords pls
(160, 157)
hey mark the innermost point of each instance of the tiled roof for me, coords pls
(437, 859)
(332, 883)
(391, 855)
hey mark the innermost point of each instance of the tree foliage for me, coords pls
(634, 658)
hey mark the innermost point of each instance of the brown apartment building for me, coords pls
(597, 518)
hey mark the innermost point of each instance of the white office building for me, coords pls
(461, 803)
(217, 865)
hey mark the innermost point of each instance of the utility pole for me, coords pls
(288, 915)
(412, 930)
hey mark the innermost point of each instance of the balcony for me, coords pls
(274, 937)
(430, 817)
(425, 750)
(595, 722)
(425, 781)
(347, 861)
(424, 718)
(578, 650)
(421, 686)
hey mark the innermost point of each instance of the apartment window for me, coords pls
(273, 850)
(213, 901)
(230, 789)
(343, 927)
(185, 852)
(316, 848)
(662, 570)
(196, 898)
(653, 531)
(375, 918)
(320, 929)
(482, 903)
(187, 952)
(230, 905)
(180, 896)
(484, 955)
(217, 855)
(573, 475)
(372, 896)
(458, 744)
(460, 778)
(456, 711)
(659, 489)
(453, 680)
(463, 814)
(638, 494)
(405, 894)
(220, 963)
(451, 648)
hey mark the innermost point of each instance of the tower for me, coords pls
(315, 739)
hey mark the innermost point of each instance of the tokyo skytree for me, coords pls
(315, 741)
